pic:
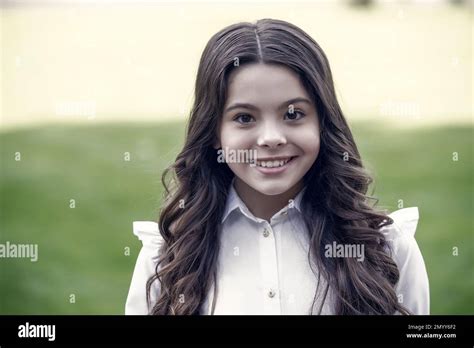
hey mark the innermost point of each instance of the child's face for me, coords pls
(272, 124)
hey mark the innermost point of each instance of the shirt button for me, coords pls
(266, 232)
(271, 293)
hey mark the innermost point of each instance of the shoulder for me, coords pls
(413, 285)
(148, 233)
(401, 234)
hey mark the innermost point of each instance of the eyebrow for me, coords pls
(253, 107)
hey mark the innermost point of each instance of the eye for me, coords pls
(294, 114)
(244, 118)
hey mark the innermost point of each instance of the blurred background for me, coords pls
(94, 101)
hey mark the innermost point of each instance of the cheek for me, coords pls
(309, 141)
(312, 147)
(234, 139)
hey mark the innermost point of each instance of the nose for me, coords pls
(271, 136)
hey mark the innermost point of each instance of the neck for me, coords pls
(261, 205)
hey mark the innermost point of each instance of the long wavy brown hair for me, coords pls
(335, 204)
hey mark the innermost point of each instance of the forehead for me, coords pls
(264, 85)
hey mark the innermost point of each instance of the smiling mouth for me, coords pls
(274, 163)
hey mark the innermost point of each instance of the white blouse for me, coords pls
(263, 267)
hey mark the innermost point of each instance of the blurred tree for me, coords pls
(361, 3)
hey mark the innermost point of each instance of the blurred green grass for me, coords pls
(82, 250)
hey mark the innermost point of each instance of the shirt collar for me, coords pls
(235, 202)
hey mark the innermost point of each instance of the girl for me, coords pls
(290, 231)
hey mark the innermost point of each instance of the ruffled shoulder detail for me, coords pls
(405, 222)
(412, 288)
(406, 219)
(148, 232)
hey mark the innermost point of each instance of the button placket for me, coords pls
(266, 232)
(269, 268)
(281, 217)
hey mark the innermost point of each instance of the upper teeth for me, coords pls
(272, 164)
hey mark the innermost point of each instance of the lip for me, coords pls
(276, 170)
(279, 158)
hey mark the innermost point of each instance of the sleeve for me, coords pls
(148, 233)
(412, 288)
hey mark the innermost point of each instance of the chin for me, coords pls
(271, 189)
